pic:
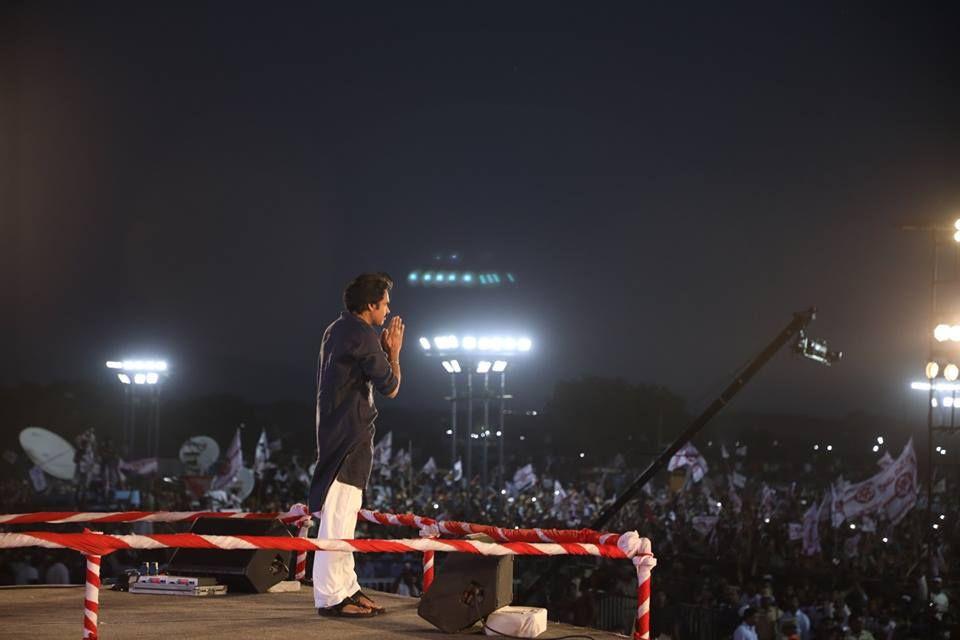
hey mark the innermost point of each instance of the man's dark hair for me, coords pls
(366, 288)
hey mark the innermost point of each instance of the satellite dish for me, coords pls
(49, 451)
(242, 484)
(199, 452)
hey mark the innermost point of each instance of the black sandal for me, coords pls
(360, 594)
(336, 611)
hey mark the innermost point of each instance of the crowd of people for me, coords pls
(731, 562)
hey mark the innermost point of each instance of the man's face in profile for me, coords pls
(379, 313)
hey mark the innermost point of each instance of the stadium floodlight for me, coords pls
(455, 365)
(524, 344)
(424, 344)
(955, 333)
(112, 364)
(153, 378)
(447, 366)
(124, 378)
(956, 236)
(876, 448)
(140, 378)
(879, 439)
(469, 343)
(483, 366)
(138, 365)
(951, 372)
(931, 370)
(499, 366)
(941, 333)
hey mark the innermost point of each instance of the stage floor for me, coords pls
(39, 613)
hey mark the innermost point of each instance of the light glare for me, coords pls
(500, 366)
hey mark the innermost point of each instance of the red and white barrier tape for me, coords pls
(295, 516)
(644, 562)
(102, 544)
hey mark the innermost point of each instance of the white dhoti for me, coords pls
(334, 577)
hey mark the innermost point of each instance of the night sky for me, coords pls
(669, 183)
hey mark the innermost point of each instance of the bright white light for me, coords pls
(523, 437)
(943, 516)
(948, 401)
(503, 492)
(469, 343)
(483, 366)
(152, 377)
(455, 364)
(935, 525)
(449, 432)
(956, 236)
(939, 386)
(816, 447)
(485, 343)
(446, 342)
(829, 447)
(719, 505)
(533, 499)
(436, 506)
(499, 366)
(938, 448)
(487, 432)
(879, 439)
(111, 364)
(524, 344)
(447, 366)
(499, 433)
(956, 224)
(582, 454)
(931, 370)
(933, 403)
(474, 436)
(853, 526)
(509, 344)
(876, 448)
(766, 520)
(510, 500)
(425, 344)
(941, 332)
(140, 378)
(955, 333)
(951, 372)
(139, 365)
(124, 378)
(943, 452)
(885, 539)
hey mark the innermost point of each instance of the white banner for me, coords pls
(811, 530)
(234, 464)
(430, 468)
(689, 457)
(141, 467)
(524, 478)
(893, 490)
(261, 457)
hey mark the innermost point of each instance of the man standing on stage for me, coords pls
(353, 362)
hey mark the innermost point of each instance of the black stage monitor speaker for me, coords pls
(249, 570)
(466, 589)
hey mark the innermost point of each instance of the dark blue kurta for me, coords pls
(352, 364)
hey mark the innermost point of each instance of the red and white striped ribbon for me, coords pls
(91, 598)
(66, 517)
(101, 544)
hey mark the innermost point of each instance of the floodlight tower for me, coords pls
(941, 370)
(141, 379)
(465, 355)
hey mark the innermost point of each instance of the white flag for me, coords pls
(38, 479)
(795, 531)
(885, 461)
(723, 452)
(689, 457)
(261, 457)
(811, 529)
(893, 490)
(382, 450)
(234, 464)
(457, 471)
(559, 494)
(524, 478)
(430, 468)
(141, 467)
(739, 480)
